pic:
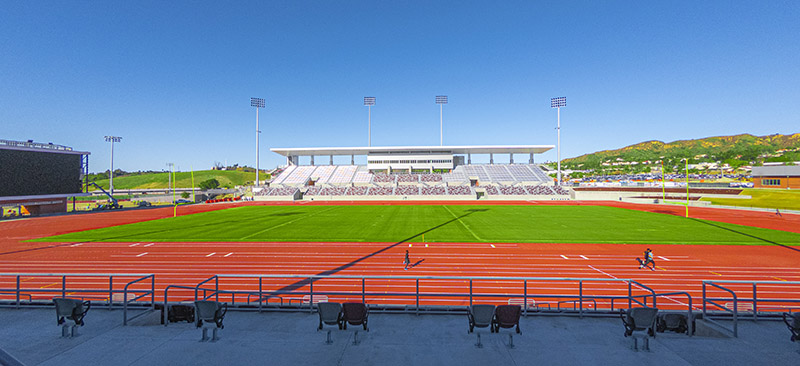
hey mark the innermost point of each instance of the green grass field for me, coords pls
(226, 178)
(765, 198)
(457, 223)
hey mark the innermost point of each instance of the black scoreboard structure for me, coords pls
(37, 178)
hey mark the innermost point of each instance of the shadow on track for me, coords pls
(299, 284)
(745, 234)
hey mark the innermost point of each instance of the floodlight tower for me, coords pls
(441, 100)
(258, 103)
(369, 102)
(112, 140)
(557, 103)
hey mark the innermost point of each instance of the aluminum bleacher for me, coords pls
(323, 173)
(300, 175)
(343, 174)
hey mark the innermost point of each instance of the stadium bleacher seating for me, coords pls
(433, 191)
(313, 191)
(333, 180)
(380, 191)
(357, 191)
(333, 191)
(512, 190)
(406, 191)
(383, 178)
(430, 177)
(343, 174)
(323, 173)
(459, 190)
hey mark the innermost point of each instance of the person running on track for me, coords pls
(648, 259)
(406, 262)
(778, 213)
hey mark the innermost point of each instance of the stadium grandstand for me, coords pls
(39, 178)
(412, 172)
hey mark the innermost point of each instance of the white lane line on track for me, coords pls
(564, 256)
(227, 255)
(210, 254)
(147, 245)
(663, 258)
(584, 257)
(493, 246)
(76, 245)
(139, 255)
(134, 244)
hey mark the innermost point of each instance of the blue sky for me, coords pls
(174, 78)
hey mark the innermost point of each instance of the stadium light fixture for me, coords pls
(369, 102)
(557, 103)
(258, 103)
(441, 100)
(112, 140)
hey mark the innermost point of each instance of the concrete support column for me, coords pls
(530, 159)
(469, 158)
(491, 158)
(312, 159)
(331, 160)
(511, 158)
(353, 159)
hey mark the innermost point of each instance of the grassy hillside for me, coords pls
(226, 178)
(735, 150)
(764, 198)
(448, 224)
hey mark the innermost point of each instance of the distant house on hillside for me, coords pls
(776, 176)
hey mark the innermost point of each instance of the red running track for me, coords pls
(679, 267)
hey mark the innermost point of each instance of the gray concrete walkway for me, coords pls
(32, 336)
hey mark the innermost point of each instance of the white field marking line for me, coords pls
(287, 223)
(462, 223)
(564, 256)
(147, 245)
(663, 258)
(584, 257)
(227, 255)
(641, 288)
(493, 246)
(76, 245)
(139, 255)
(210, 254)
(134, 244)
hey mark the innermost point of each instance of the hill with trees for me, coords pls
(735, 151)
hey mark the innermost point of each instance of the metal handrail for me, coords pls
(125, 300)
(164, 318)
(735, 311)
(207, 293)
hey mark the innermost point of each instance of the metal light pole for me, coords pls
(258, 103)
(557, 103)
(369, 102)
(112, 140)
(169, 181)
(441, 100)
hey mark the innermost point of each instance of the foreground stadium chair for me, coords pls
(507, 316)
(792, 321)
(480, 316)
(355, 313)
(641, 320)
(210, 314)
(330, 313)
(70, 309)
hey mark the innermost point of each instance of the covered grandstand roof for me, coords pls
(483, 149)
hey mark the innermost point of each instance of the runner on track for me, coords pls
(778, 213)
(406, 262)
(648, 259)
